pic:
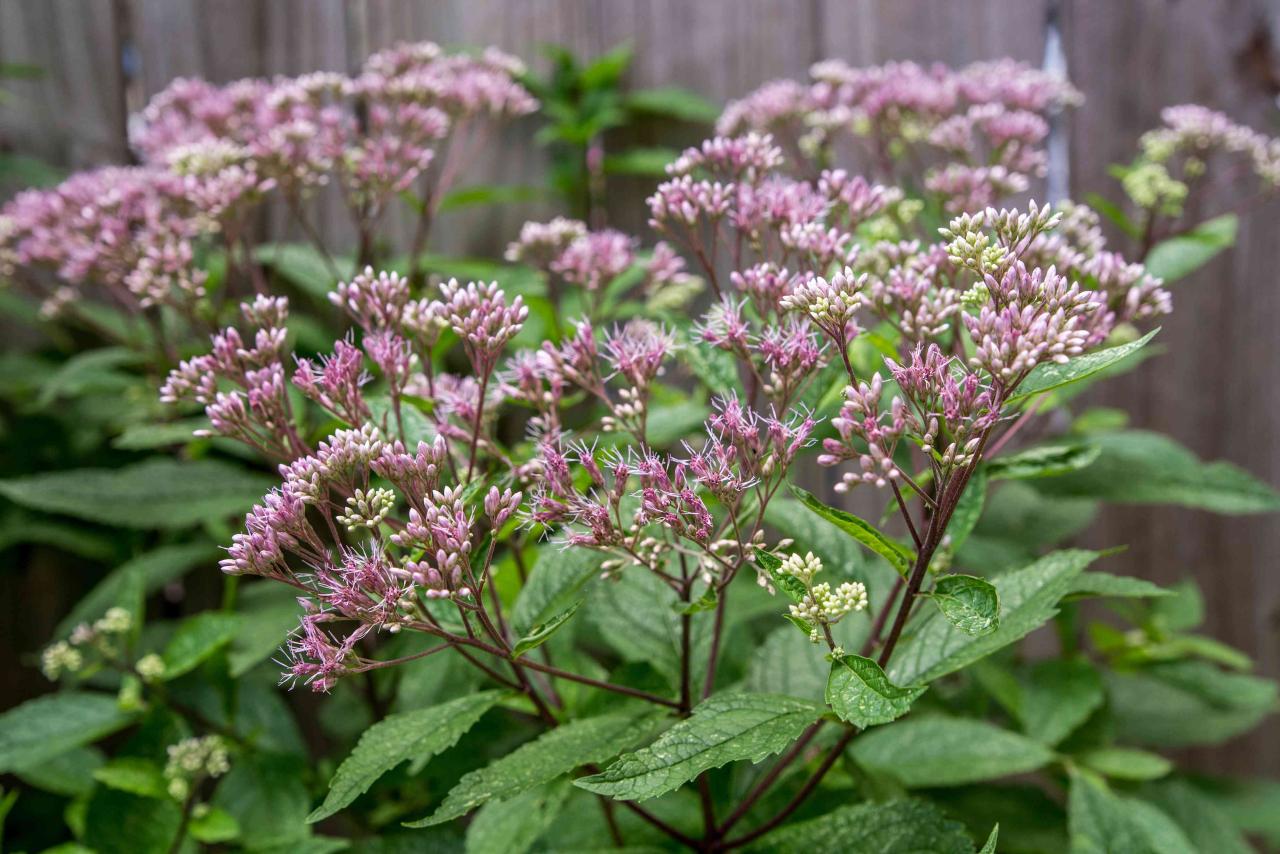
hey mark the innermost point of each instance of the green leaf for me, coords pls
(134, 775)
(1137, 467)
(539, 634)
(969, 508)
(122, 823)
(673, 103)
(419, 735)
(896, 827)
(725, 728)
(1125, 763)
(1184, 703)
(568, 746)
(1116, 586)
(1057, 697)
(89, 372)
(302, 266)
(1042, 461)
(790, 585)
(268, 612)
(70, 773)
(145, 437)
(416, 426)
(155, 493)
(266, 795)
(932, 647)
(1182, 611)
(939, 751)
(196, 640)
(841, 555)
(644, 162)
(212, 826)
(970, 604)
(1205, 822)
(787, 663)
(491, 194)
(1051, 375)
(554, 585)
(638, 617)
(148, 572)
(1181, 256)
(899, 557)
(42, 728)
(1103, 822)
(513, 826)
(989, 847)
(861, 694)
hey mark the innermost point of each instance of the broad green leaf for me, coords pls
(725, 728)
(968, 509)
(969, 603)
(1137, 467)
(899, 556)
(18, 527)
(1042, 461)
(134, 775)
(1181, 256)
(1184, 703)
(155, 493)
(861, 694)
(939, 751)
(841, 555)
(419, 735)
(1051, 375)
(539, 634)
(145, 437)
(790, 585)
(94, 371)
(1103, 822)
(550, 755)
(303, 266)
(1251, 805)
(149, 572)
(714, 367)
(212, 826)
(266, 795)
(513, 826)
(637, 615)
(1116, 586)
(70, 773)
(1182, 611)
(896, 827)
(122, 823)
(268, 612)
(555, 583)
(932, 647)
(42, 728)
(196, 639)
(1057, 697)
(787, 663)
(412, 427)
(1125, 763)
(1205, 822)
(673, 102)
(669, 423)
(640, 161)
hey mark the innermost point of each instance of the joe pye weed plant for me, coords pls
(541, 535)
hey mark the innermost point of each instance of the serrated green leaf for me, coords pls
(1125, 763)
(539, 634)
(1051, 375)
(42, 728)
(673, 102)
(897, 827)
(939, 751)
(93, 371)
(1182, 255)
(1117, 586)
(969, 509)
(932, 647)
(860, 692)
(555, 583)
(841, 555)
(412, 427)
(1205, 822)
(513, 826)
(1137, 467)
(637, 615)
(1103, 822)
(787, 663)
(156, 493)
(268, 612)
(790, 585)
(1042, 461)
(725, 728)
(303, 266)
(196, 640)
(266, 795)
(568, 746)
(969, 603)
(418, 735)
(899, 557)
(989, 847)
(119, 822)
(1058, 696)
(145, 437)
(134, 775)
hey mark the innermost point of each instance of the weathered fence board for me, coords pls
(1213, 389)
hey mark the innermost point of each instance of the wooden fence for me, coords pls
(1214, 388)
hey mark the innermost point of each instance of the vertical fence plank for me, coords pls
(1213, 389)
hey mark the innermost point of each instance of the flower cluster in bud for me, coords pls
(821, 607)
(192, 761)
(90, 645)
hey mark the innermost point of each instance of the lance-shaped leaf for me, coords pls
(969, 603)
(1182, 255)
(42, 728)
(1042, 461)
(554, 584)
(418, 735)
(1051, 375)
(725, 728)
(864, 532)
(1102, 821)
(939, 751)
(539, 634)
(568, 746)
(788, 584)
(872, 828)
(1029, 597)
(196, 640)
(860, 692)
